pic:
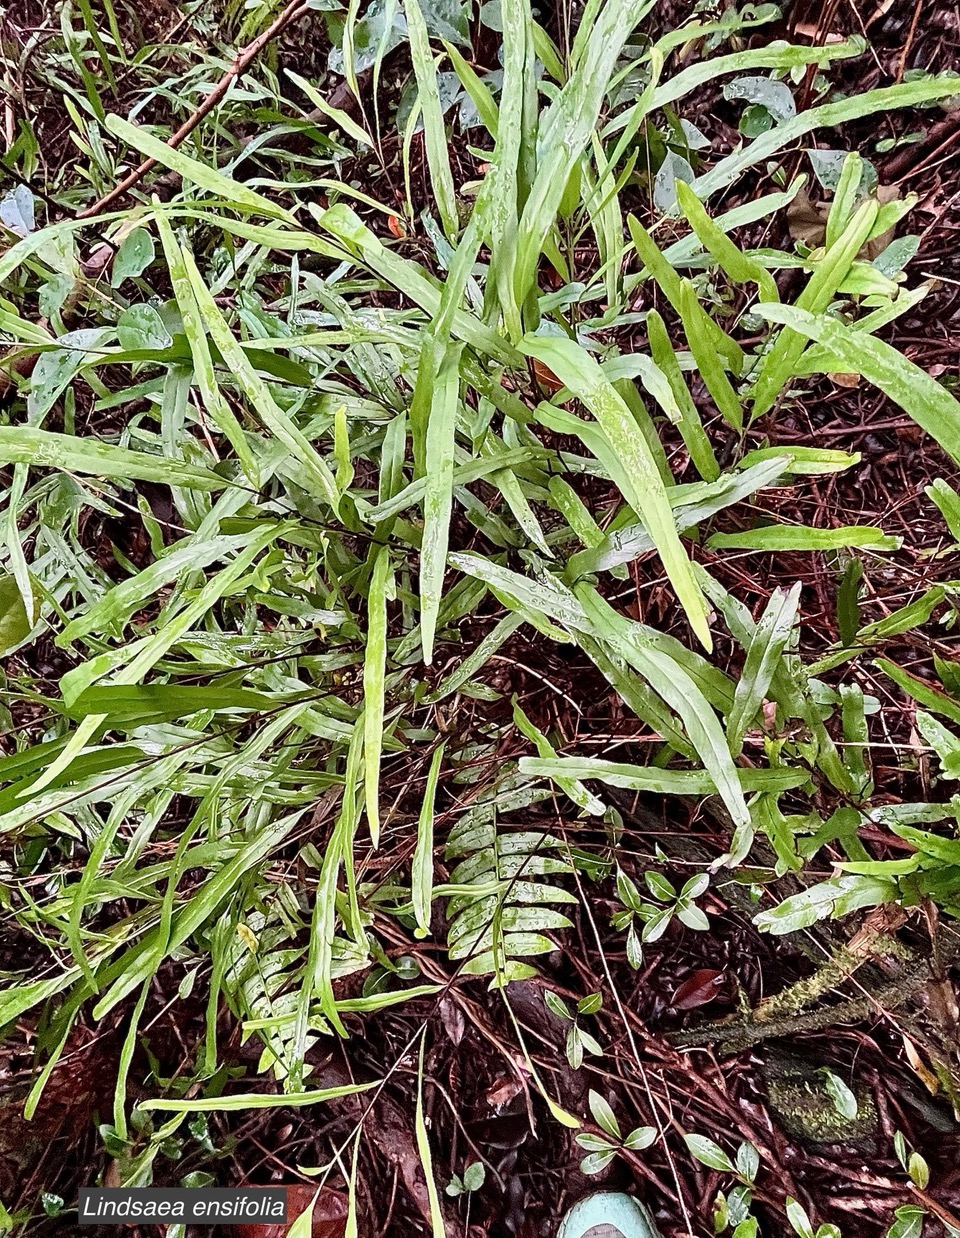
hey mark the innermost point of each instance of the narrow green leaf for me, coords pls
(792, 537)
(848, 602)
(510, 158)
(645, 491)
(438, 1228)
(695, 320)
(671, 682)
(689, 424)
(739, 266)
(828, 115)
(255, 389)
(835, 897)
(948, 502)
(655, 779)
(691, 505)
(122, 703)
(15, 624)
(197, 173)
(770, 638)
(435, 135)
(804, 459)
(336, 114)
(412, 280)
(89, 456)
(113, 610)
(930, 405)
(438, 496)
(143, 655)
(183, 274)
(374, 668)
(660, 266)
(573, 788)
(476, 88)
(242, 1102)
(421, 872)
(780, 362)
(566, 127)
(844, 201)
(921, 691)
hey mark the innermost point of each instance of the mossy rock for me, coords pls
(797, 1093)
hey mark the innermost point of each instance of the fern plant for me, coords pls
(318, 439)
(262, 970)
(503, 903)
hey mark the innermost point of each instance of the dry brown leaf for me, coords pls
(919, 1068)
(329, 1213)
(868, 940)
(942, 1004)
(546, 377)
(883, 194)
(99, 261)
(502, 1091)
(698, 989)
(811, 30)
(453, 1021)
(807, 221)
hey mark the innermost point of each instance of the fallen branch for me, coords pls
(737, 1035)
(242, 61)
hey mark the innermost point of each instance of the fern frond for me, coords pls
(262, 977)
(508, 918)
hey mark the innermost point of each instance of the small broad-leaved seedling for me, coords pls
(609, 1141)
(579, 1041)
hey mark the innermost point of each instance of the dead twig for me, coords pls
(907, 47)
(242, 61)
(945, 1215)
